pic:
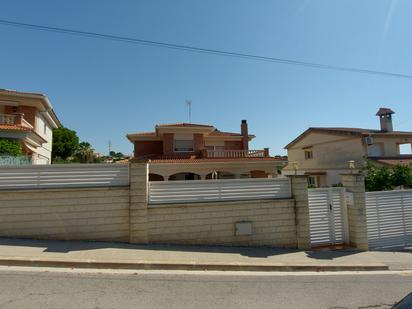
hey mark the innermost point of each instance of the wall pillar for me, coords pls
(139, 175)
(357, 224)
(299, 189)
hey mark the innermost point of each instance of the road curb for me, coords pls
(144, 265)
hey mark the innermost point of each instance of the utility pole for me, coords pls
(189, 105)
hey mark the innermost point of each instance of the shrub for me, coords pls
(10, 147)
(380, 178)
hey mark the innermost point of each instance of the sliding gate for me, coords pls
(327, 216)
(389, 217)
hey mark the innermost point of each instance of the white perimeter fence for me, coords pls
(162, 192)
(63, 176)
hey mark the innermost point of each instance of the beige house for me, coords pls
(28, 118)
(187, 151)
(325, 153)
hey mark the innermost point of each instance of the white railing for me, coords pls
(26, 124)
(7, 119)
(191, 191)
(63, 176)
(235, 153)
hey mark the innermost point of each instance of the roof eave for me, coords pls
(324, 131)
(40, 96)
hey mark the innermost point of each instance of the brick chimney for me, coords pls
(245, 134)
(385, 117)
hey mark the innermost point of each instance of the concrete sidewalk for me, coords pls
(80, 254)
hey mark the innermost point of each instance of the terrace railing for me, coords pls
(235, 153)
(192, 191)
(7, 119)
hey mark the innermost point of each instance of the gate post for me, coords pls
(139, 176)
(357, 223)
(299, 189)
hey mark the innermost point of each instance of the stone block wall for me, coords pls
(123, 214)
(66, 214)
(138, 174)
(277, 223)
(300, 194)
(357, 223)
(273, 223)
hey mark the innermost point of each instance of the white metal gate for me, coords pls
(327, 216)
(389, 217)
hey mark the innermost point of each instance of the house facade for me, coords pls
(325, 153)
(187, 151)
(28, 118)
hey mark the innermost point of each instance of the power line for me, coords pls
(402, 122)
(200, 50)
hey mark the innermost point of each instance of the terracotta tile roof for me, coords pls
(205, 160)
(214, 133)
(220, 133)
(183, 124)
(10, 91)
(346, 131)
(13, 127)
(41, 96)
(143, 134)
(397, 160)
(393, 133)
(360, 131)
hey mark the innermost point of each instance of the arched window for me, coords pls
(155, 177)
(258, 174)
(220, 175)
(185, 176)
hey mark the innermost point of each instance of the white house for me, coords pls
(324, 153)
(28, 118)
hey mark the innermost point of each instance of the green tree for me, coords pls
(401, 176)
(10, 147)
(65, 143)
(380, 178)
(85, 153)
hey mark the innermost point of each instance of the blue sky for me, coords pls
(104, 89)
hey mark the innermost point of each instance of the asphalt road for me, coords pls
(79, 289)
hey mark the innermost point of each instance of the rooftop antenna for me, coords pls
(189, 105)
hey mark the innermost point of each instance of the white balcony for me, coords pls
(7, 119)
(236, 153)
(16, 119)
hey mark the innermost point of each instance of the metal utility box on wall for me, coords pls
(243, 228)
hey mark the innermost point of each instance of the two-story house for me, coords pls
(28, 118)
(187, 151)
(324, 153)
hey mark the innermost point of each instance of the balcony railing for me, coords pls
(7, 119)
(236, 153)
(16, 119)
